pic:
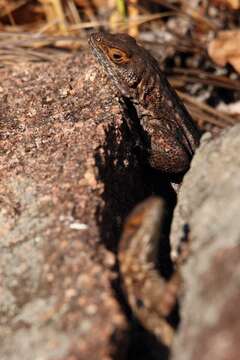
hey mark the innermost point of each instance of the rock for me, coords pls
(207, 214)
(67, 169)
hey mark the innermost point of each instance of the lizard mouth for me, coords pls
(94, 48)
(97, 48)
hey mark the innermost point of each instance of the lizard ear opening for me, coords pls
(118, 56)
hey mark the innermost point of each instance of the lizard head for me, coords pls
(129, 65)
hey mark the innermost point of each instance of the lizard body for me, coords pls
(172, 140)
(151, 297)
(171, 133)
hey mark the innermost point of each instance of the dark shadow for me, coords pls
(123, 168)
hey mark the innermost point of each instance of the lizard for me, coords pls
(151, 297)
(172, 140)
(172, 135)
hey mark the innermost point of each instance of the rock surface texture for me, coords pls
(207, 214)
(67, 167)
(70, 173)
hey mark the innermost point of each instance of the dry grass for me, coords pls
(32, 30)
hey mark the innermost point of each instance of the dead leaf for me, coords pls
(235, 4)
(225, 48)
(232, 109)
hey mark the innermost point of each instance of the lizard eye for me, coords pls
(118, 56)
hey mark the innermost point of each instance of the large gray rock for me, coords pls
(208, 216)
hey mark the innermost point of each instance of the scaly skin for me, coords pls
(150, 296)
(171, 139)
(170, 133)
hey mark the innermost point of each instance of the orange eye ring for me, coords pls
(118, 56)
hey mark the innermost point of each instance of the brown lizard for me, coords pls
(172, 134)
(150, 296)
(173, 138)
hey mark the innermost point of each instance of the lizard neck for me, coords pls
(156, 101)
